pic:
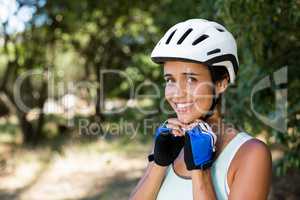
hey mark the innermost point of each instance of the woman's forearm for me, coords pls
(202, 185)
(149, 185)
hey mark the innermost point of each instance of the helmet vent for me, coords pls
(184, 35)
(214, 51)
(200, 39)
(170, 37)
(220, 30)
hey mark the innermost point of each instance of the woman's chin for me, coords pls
(186, 118)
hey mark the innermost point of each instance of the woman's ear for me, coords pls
(222, 85)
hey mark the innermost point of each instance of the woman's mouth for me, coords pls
(183, 107)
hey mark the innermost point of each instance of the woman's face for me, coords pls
(188, 89)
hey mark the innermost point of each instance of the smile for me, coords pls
(183, 107)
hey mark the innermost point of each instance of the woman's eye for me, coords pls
(191, 79)
(168, 80)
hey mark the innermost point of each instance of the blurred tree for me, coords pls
(106, 35)
(26, 52)
(121, 34)
(268, 35)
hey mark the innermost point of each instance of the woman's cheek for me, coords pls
(169, 93)
(202, 97)
(200, 89)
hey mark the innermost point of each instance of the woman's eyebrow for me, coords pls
(190, 73)
(184, 73)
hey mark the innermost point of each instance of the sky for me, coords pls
(15, 16)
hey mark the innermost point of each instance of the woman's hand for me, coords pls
(176, 126)
(199, 146)
(169, 141)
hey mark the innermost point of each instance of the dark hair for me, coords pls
(219, 73)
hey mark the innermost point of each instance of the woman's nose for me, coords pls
(181, 89)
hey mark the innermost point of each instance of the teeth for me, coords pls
(183, 105)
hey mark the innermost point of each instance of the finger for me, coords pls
(190, 126)
(176, 130)
(173, 126)
(175, 122)
(177, 133)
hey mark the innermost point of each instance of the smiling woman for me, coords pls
(189, 87)
(196, 155)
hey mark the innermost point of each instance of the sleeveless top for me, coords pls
(177, 188)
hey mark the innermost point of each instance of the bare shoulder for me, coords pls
(255, 147)
(252, 171)
(254, 151)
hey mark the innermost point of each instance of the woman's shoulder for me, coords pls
(253, 162)
(253, 145)
(253, 150)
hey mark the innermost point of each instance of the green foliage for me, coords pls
(82, 38)
(268, 37)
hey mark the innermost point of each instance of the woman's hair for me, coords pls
(219, 73)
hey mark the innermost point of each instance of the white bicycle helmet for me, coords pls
(199, 40)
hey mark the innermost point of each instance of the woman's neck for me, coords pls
(219, 128)
(224, 132)
(216, 123)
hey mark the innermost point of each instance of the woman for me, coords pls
(196, 155)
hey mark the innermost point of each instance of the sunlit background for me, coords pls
(80, 97)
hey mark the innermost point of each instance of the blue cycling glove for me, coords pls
(199, 146)
(167, 146)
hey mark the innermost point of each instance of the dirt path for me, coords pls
(93, 171)
(78, 173)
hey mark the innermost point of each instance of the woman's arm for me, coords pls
(166, 148)
(251, 180)
(198, 157)
(149, 184)
(202, 185)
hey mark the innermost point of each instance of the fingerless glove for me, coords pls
(167, 146)
(199, 147)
